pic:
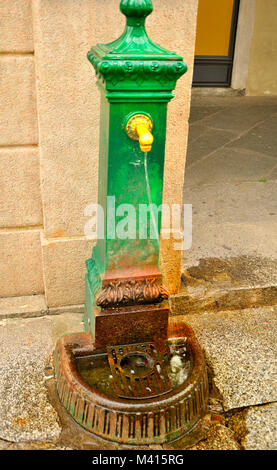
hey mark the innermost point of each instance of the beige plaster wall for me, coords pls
(49, 137)
(262, 71)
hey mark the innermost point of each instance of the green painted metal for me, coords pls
(134, 75)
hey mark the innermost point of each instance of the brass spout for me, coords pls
(139, 127)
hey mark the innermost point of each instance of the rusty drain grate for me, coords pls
(139, 370)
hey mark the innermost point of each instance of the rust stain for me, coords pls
(56, 233)
(217, 418)
(31, 340)
(21, 421)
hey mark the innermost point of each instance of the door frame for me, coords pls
(202, 63)
(244, 36)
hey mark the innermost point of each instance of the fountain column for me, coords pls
(133, 376)
(136, 78)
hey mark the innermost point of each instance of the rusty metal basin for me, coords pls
(136, 394)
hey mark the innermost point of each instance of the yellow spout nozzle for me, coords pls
(139, 127)
(146, 139)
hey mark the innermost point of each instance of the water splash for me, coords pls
(149, 198)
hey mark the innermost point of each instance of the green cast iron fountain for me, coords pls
(133, 376)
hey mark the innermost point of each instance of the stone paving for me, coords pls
(231, 177)
(241, 350)
(255, 428)
(231, 182)
(25, 349)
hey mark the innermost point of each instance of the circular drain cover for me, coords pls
(139, 370)
(137, 364)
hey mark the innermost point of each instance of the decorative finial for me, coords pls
(133, 62)
(136, 8)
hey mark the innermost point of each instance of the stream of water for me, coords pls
(148, 190)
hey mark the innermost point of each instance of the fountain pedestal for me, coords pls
(133, 376)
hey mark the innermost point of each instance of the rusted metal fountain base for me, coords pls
(145, 393)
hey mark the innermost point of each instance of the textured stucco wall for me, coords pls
(49, 136)
(262, 71)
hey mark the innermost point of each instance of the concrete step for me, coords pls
(226, 284)
(31, 306)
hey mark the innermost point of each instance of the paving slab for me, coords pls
(226, 165)
(261, 423)
(241, 117)
(256, 427)
(240, 349)
(4, 445)
(273, 174)
(200, 112)
(195, 131)
(207, 142)
(209, 203)
(261, 138)
(228, 240)
(25, 348)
